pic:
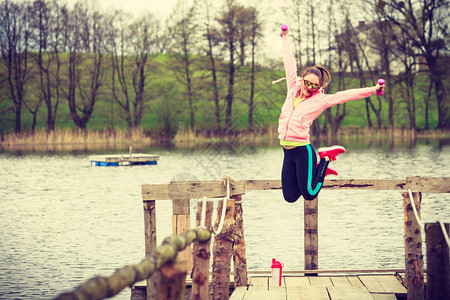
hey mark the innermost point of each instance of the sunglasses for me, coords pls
(311, 85)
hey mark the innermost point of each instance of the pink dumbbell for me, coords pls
(380, 82)
(284, 28)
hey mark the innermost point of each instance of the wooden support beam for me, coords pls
(311, 235)
(429, 184)
(438, 262)
(150, 235)
(190, 189)
(222, 250)
(171, 280)
(413, 248)
(239, 258)
(201, 257)
(181, 222)
(364, 184)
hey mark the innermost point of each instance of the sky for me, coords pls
(163, 8)
(159, 7)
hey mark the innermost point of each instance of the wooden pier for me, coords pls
(329, 285)
(354, 286)
(357, 287)
(166, 270)
(115, 160)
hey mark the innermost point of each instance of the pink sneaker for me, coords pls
(330, 171)
(331, 152)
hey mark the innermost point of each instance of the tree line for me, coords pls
(57, 56)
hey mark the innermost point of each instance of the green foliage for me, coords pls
(166, 106)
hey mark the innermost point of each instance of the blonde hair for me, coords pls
(320, 72)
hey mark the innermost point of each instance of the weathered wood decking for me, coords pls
(358, 287)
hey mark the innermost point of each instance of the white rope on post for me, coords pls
(413, 204)
(224, 208)
(444, 233)
(203, 216)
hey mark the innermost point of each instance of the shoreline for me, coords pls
(70, 140)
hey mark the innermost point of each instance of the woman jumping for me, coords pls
(305, 101)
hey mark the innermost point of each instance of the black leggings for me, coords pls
(300, 176)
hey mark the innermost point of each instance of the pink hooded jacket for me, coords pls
(294, 123)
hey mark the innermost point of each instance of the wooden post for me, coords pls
(222, 250)
(172, 280)
(438, 262)
(239, 258)
(150, 234)
(202, 254)
(181, 222)
(413, 248)
(311, 237)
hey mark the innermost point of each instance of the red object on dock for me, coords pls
(277, 269)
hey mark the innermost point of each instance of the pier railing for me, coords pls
(172, 265)
(181, 191)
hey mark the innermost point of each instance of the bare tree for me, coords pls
(212, 38)
(425, 23)
(118, 49)
(404, 53)
(144, 44)
(132, 46)
(47, 24)
(14, 43)
(183, 31)
(254, 35)
(231, 21)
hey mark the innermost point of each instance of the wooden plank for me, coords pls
(307, 293)
(428, 184)
(311, 236)
(296, 281)
(355, 282)
(383, 296)
(258, 293)
(320, 281)
(340, 281)
(190, 190)
(364, 184)
(150, 235)
(238, 293)
(259, 282)
(348, 293)
(213, 189)
(413, 247)
(181, 207)
(180, 224)
(391, 284)
(372, 284)
(333, 271)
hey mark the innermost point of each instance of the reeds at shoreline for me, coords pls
(74, 139)
(116, 138)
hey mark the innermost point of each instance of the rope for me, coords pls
(414, 209)
(444, 233)
(203, 217)
(226, 179)
(278, 80)
(100, 287)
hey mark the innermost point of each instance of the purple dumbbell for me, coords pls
(380, 82)
(284, 28)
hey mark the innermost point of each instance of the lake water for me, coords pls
(63, 221)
